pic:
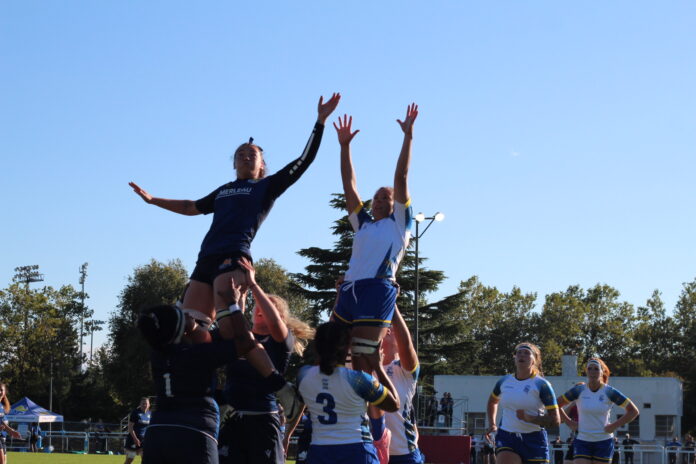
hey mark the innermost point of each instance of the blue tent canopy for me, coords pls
(25, 410)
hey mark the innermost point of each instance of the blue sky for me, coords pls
(557, 137)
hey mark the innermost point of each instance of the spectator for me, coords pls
(689, 447)
(557, 447)
(616, 458)
(672, 450)
(447, 405)
(628, 443)
(474, 446)
(34, 432)
(432, 409)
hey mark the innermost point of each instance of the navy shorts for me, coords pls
(209, 267)
(595, 450)
(130, 444)
(532, 447)
(352, 453)
(415, 457)
(366, 302)
(178, 445)
(251, 439)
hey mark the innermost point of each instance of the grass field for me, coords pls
(59, 458)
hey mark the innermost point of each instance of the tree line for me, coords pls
(472, 331)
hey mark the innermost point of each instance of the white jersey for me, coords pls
(378, 246)
(594, 408)
(338, 404)
(404, 433)
(533, 395)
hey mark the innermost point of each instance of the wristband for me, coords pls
(227, 312)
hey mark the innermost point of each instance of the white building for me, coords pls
(659, 400)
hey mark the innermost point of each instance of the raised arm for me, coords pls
(287, 176)
(345, 136)
(275, 323)
(404, 344)
(401, 175)
(185, 207)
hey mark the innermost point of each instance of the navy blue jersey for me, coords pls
(241, 206)
(183, 376)
(140, 422)
(242, 387)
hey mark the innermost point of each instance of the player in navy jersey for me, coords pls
(239, 208)
(337, 399)
(528, 405)
(594, 443)
(4, 426)
(368, 295)
(252, 433)
(403, 368)
(138, 420)
(184, 427)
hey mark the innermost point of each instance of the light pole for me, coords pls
(83, 277)
(420, 217)
(92, 326)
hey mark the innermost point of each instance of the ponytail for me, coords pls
(331, 344)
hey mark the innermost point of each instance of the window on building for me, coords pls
(664, 426)
(633, 428)
(476, 423)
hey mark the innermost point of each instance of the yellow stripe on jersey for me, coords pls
(625, 403)
(371, 320)
(565, 398)
(358, 208)
(408, 203)
(342, 319)
(553, 406)
(414, 369)
(381, 398)
(495, 396)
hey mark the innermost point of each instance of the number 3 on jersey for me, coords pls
(329, 404)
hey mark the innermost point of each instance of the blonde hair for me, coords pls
(605, 369)
(536, 352)
(300, 329)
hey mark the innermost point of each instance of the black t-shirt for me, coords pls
(628, 443)
(184, 377)
(244, 385)
(241, 206)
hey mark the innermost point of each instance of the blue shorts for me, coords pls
(352, 453)
(595, 450)
(415, 457)
(532, 447)
(366, 302)
(209, 267)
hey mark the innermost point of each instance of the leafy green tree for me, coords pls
(685, 321)
(587, 323)
(39, 332)
(127, 368)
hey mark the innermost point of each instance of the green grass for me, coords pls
(59, 458)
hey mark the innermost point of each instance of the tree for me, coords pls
(39, 331)
(127, 367)
(685, 321)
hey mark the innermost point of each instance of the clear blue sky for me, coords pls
(557, 137)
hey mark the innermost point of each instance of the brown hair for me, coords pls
(262, 172)
(605, 369)
(5, 401)
(388, 189)
(536, 352)
(300, 329)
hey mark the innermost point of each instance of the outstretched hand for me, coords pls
(147, 198)
(344, 130)
(248, 268)
(324, 110)
(407, 124)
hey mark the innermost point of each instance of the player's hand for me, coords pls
(407, 123)
(324, 110)
(137, 442)
(521, 415)
(147, 198)
(231, 294)
(609, 428)
(491, 430)
(15, 434)
(345, 136)
(246, 265)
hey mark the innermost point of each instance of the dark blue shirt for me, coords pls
(243, 387)
(183, 375)
(140, 422)
(241, 206)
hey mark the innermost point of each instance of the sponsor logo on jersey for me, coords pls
(233, 191)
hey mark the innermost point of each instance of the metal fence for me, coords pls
(75, 437)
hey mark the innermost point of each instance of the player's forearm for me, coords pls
(551, 419)
(185, 207)
(402, 167)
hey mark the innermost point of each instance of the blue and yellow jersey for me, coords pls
(404, 439)
(534, 395)
(378, 246)
(338, 404)
(594, 408)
